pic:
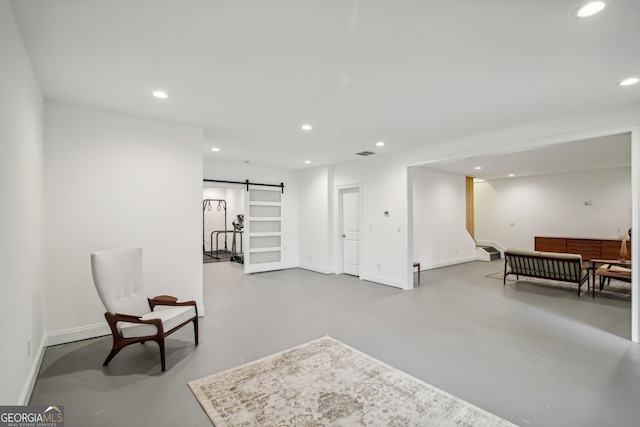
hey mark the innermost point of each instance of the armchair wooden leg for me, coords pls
(195, 328)
(160, 342)
(114, 350)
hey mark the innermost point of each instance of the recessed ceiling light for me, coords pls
(630, 81)
(306, 127)
(160, 94)
(511, 175)
(307, 162)
(478, 168)
(589, 9)
(216, 149)
(380, 143)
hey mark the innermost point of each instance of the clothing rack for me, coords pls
(246, 183)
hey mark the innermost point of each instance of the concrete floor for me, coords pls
(535, 356)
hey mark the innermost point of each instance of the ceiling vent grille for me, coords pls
(365, 153)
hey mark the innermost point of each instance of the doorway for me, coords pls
(221, 208)
(508, 157)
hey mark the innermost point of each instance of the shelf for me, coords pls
(265, 203)
(272, 249)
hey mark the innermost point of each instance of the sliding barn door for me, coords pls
(263, 230)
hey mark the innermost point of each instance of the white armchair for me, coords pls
(132, 317)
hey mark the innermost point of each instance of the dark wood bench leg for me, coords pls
(504, 276)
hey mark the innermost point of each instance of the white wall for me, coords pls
(554, 205)
(114, 180)
(384, 244)
(440, 235)
(242, 172)
(385, 184)
(21, 215)
(316, 212)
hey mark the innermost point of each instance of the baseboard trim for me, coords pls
(77, 334)
(316, 269)
(25, 397)
(55, 338)
(449, 262)
(382, 280)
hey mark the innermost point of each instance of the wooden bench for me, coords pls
(546, 265)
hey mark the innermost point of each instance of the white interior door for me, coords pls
(263, 230)
(351, 232)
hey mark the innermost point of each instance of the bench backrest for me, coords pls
(567, 267)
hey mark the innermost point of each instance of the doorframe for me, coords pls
(635, 224)
(338, 220)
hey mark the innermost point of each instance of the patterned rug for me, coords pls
(327, 383)
(615, 289)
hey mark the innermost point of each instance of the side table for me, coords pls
(606, 269)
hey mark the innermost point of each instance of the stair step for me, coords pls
(493, 252)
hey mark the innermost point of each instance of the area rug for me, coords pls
(616, 289)
(327, 383)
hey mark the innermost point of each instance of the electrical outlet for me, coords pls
(378, 266)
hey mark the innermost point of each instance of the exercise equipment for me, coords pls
(207, 205)
(238, 226)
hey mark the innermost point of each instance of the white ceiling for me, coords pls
(409, 73)
(608, 152)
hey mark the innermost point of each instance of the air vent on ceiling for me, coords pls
(365, 153)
